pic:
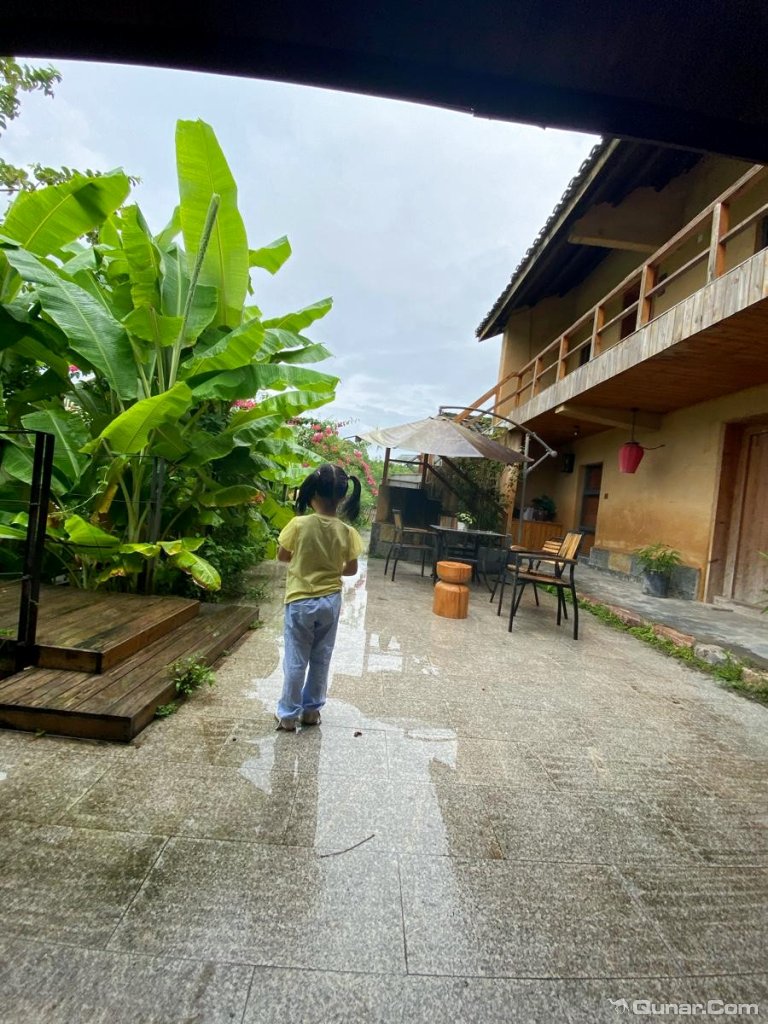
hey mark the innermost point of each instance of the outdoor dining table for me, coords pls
(476, 539)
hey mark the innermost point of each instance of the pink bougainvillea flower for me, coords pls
(317, 438)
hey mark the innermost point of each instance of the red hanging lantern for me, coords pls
(630, 456)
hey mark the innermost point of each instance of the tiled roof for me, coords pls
(575, 184)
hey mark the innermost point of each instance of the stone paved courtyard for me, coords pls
(486, 827)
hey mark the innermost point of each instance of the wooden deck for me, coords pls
(91, 632)
(104, 659)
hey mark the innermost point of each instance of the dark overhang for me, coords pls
(689, 73)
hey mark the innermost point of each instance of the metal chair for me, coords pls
(551, 554)
(522, 576)
(424, 542)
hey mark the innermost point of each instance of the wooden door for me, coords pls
(590, 500)
(749, 531)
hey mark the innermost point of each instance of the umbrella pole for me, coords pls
(523, 483)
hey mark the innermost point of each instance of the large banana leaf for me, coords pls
(143, 258)
(235, 349)
(249, 380)
(202, 572)
(45, 220)
(307, 354)
(270, 257)
(290, 404)
(12, 532)
(224, 497)
(70, 433)
(130, 431)
(276, 513)
(18, 462)
(202, 448)
(203, 172)
(172, 547)
(170, 231)
(83, 259)
(175, 286)
(92, 332)
(168, 442)
(303, 317)
(149, 325)
(85, 535)
(278, 339)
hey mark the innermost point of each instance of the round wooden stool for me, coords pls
(451, 591)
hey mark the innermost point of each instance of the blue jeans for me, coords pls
(310, 633)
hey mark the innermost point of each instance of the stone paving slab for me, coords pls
(486, 827)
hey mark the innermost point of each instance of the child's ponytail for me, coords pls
(307, 491)
(351, 507)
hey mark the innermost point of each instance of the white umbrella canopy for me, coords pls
(440, 435)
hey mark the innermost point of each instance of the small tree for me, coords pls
(323, 442)
(141, 354)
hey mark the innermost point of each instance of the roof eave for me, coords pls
(495, 321)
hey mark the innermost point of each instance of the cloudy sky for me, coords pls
(412, 218)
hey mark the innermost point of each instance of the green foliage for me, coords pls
(189, 674)
(322, 442)
(477, 485)
(16, 79)
(545, 505)
(658, 558)
(730, 674)
(168, 395)
(165, 710)
(236, 546)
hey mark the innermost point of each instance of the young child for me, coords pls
(320, 549)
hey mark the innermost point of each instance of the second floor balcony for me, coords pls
(689, 324)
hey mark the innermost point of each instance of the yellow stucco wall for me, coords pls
(671, 497)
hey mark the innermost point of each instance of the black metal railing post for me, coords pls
(40, 492)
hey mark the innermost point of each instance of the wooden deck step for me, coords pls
(119, 703)
(91, 632)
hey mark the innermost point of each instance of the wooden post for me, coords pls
(424, 465)
(537, 370)
(518, 391)
(720, 219)
(385, 473)
(597, 326)
(562, 356)
(645, 302)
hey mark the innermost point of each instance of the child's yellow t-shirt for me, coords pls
(320, 546)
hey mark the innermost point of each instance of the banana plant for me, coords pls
(166, 389)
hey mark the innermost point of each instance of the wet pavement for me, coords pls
(487, 827)
(741, 631)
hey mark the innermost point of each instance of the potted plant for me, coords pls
(657, 562)
(465, 520)
(546, 509)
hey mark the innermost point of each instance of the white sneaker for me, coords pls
(310, 718)
(288, 724)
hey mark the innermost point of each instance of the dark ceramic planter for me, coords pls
(656, 584)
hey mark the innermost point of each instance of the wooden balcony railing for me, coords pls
(710, 231)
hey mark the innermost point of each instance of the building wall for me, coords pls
(530, 330)
(671, 498)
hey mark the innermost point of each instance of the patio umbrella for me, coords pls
(440, 435)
